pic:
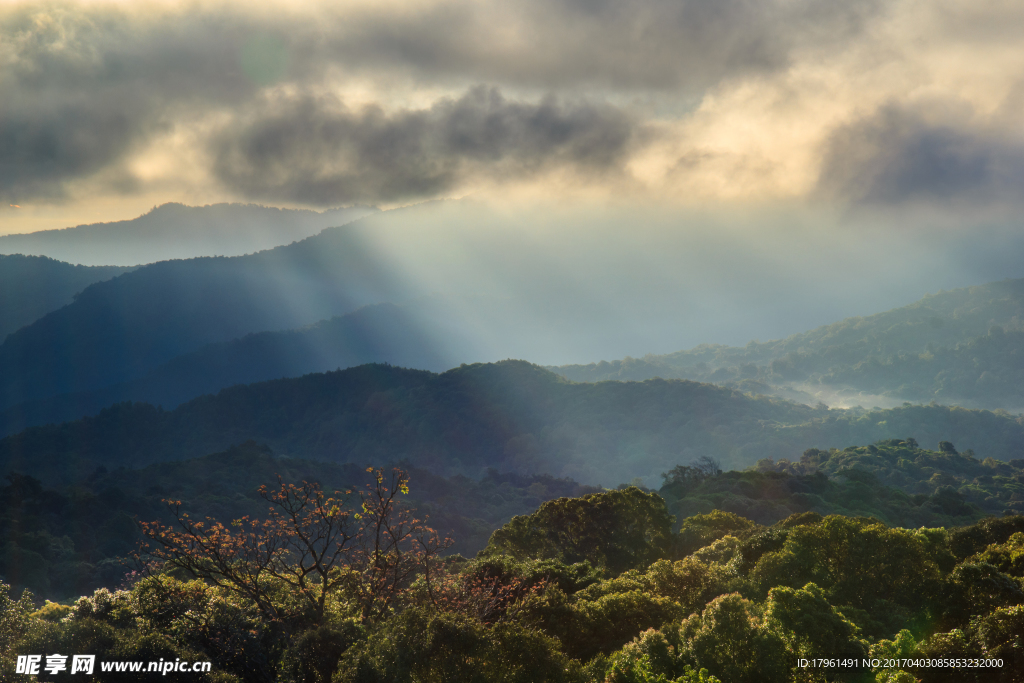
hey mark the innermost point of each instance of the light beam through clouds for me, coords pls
(862, 126)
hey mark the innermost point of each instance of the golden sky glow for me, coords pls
(107, 108)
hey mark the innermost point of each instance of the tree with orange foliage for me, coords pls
(482, 595)
(367, 545)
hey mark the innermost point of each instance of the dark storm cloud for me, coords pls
(80, 88)
(42, 148)
(315, 150)
(629, 44)
(84, 86)
(899, 156)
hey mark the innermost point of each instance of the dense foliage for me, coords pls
(63, 542)
(723, 599)
(511, 415)
(893, 480)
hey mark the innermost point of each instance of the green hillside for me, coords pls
(63, 542)
(962, 347)
(512, 416)
(60, 542)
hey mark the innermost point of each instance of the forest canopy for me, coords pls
(589, 589)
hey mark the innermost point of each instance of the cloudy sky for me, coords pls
(889, 108)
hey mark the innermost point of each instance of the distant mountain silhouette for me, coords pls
(32, 286)
(176, 231)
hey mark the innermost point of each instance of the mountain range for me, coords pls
(509, 292)
(181, 358)
(413, 336)
(511, 416)
(170, 331)
(176, 231)
(522, 288)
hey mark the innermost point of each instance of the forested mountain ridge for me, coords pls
(32, 286)
(946, 319)
(413, 335)
(964, 346)
(509, 415)
(176, 231)
(119, 329)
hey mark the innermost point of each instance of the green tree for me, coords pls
(313, 656)
(14, 622)
(617, 530)
(421, 646)
(732, 643)
(1001, 636)
(698, 531)
(811, 627)
(856, 561)
(974, 589)
(651, 658)
(1006, 557)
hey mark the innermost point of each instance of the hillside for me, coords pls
(120, 330)
(75, 536)
(511, 415)
(176, 231)
(419, 335)
(32, 286)
(964, 347)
